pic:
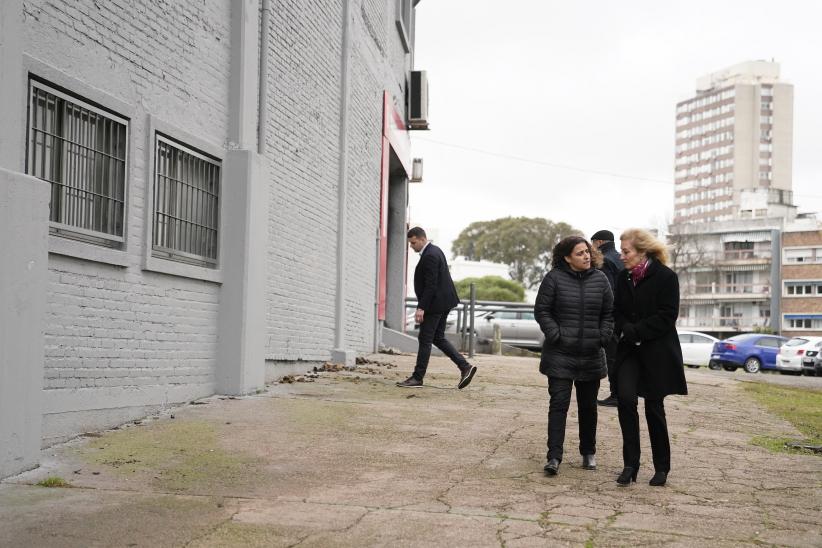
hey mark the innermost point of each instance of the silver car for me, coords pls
(518, 328)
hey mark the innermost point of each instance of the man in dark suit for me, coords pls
(436, 296)
(603, 240)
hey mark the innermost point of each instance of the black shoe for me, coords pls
(610, 401)
(627, 476)
(466, 376)
(551, 468)
(659, 479)
(589, 462)
(410, 382)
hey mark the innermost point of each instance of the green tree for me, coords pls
(491, 288)
(523, 243)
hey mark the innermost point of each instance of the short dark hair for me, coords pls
(565, 247)
(416, 232)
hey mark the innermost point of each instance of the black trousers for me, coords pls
(628, 375)
(432, 331)
(559, 391)
(610, 357)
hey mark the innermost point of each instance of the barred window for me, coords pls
(186, 204)
(81, 151)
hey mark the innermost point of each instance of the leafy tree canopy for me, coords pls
(491, 288)
(523, 243)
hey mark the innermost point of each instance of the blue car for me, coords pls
(751, 351)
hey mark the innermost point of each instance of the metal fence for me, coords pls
(467, 312)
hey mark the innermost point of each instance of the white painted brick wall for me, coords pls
(152, 336)
(110, 327)
(303, 139)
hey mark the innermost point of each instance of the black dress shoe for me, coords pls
(659, 479)
(410, 382)
(610, 401)
(466, 376)
(551, 468)
(589, 462)
(628, 475)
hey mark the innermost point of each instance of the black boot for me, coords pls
(659, 479)
(551, 468)
(628, 475)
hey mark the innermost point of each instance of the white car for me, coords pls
(792, 352)
(696, 348)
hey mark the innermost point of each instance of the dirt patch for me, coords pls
(182, 456)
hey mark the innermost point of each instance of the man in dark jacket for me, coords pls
(603, 240)
(436, 296)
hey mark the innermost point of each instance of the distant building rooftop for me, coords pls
(749, 72)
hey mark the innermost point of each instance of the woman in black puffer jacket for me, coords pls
(574, 310)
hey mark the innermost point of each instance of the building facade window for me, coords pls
(804, 288)
(186, 204)
(803, 255)
(813, 322)
(81, 151)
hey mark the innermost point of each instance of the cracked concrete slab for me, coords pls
(349, 459)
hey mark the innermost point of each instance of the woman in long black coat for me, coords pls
(649, 358)
(574, 308)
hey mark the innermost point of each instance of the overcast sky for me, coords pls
(519, 89)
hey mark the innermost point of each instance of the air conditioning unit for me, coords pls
(418, 100)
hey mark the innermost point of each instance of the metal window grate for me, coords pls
(186, 204)
(81, 152)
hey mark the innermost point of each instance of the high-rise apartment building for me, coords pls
(734, 143)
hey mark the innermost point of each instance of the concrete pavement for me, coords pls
(348, 459)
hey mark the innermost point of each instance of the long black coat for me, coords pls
(432, 282)
(647, 314)
(574, 311)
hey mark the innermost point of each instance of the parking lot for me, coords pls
(769, 377)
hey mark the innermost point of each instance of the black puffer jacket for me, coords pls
(575, 311)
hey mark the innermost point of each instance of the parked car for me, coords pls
(696, 348)
(751, 351)
(812, 363)
(412, 325)
(518, 327)
(789, 359)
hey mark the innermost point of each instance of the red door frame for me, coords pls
(394, 136)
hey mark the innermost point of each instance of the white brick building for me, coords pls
(227, 184)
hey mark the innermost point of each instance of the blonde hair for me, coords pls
(645, 242)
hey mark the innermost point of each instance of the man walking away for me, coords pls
(436, 296)
(603, 241)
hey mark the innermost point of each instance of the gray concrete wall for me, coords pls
(23, 216)
(782, 136)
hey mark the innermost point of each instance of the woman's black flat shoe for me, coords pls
(659, 479)
(628, 475)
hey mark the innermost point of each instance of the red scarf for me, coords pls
(638, 272)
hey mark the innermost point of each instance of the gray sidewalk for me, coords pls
(348, 459)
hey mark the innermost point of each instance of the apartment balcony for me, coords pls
(742, 257)
(725, 324)
(735, 260)
(716, 292)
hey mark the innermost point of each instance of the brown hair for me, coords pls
(566, 246)
(645, 242)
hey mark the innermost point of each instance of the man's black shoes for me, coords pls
(551, 468)
(410, 382)
(610, 401)
(466, 376)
